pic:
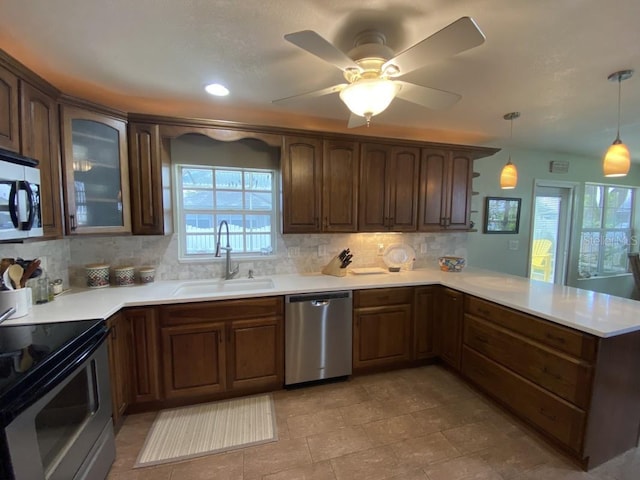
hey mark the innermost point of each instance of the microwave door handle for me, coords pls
(26, 186)
(13, 204)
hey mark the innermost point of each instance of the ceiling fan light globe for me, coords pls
(617, 160)
(369, 97)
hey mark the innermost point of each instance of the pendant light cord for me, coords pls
(619, 91)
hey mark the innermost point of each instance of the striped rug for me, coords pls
(188, 432)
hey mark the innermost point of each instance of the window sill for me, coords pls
(605, 277)
(234, 259)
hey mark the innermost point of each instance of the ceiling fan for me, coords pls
(373, 71)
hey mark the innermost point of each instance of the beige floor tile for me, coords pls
(225, 466)
(150, 473)
(463, 468)
(319, 422)
(475, 437)
(392, 430)
(624, 467)
(374, 464)
(275, 457)
(324, 446)
(317, 471)
(369, 411)
(555, 472)
(514, 457)
(422, 451)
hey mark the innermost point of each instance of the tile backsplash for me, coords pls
(294, 254)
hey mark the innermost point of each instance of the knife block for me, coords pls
(333, 268)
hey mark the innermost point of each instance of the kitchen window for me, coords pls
(606, 235)
(244, 197)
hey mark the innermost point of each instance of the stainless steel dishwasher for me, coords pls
(318, 336)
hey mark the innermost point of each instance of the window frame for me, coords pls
(603, 230)
(181, 212)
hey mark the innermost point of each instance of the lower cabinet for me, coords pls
(118, 343)
(382, 322)
(425, 314)
(449, 326)
(233, 346)
(142, 327)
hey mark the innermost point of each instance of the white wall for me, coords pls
(492, 251)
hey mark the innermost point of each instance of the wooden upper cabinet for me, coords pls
(445, 190)
(94, 148)
(340, 163)
(40, 140)
(388, 188)
(145, 170)
(9, 123)
(301, 185)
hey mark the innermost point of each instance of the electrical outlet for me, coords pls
(381, 249)
(293, 251)
(514, 244)
(423, 248)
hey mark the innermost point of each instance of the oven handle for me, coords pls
(13, 204)
(26, 186)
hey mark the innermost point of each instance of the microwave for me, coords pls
(20, 212)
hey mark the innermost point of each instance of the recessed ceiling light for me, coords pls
(217, 90)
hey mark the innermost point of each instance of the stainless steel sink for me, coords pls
(204, 287)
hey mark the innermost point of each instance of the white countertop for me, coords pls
(596, 313)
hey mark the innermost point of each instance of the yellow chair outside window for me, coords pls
(541, 258)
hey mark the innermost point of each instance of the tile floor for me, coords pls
(415, 424)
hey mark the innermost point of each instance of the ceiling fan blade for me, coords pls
(316, 45)
(457, 37)
(426, 96)
(356, 121)
(315, 93)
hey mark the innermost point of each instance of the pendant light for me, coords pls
(509, 174)
(617, 160)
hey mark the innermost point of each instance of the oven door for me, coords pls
(10, 177)
(67, 433)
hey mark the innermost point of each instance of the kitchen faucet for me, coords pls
(228, 273)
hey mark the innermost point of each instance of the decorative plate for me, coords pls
(398, 255)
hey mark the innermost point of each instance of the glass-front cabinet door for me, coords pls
(96, 173)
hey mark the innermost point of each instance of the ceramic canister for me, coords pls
(147, 274)
(19, 299)
(97, 275)
(123, 276)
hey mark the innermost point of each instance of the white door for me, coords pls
(550, 232)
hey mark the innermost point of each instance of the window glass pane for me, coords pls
(197, 177)
(199, 244)
(589, 253)
(199, 222)
(258, 201)
(615, 252)
(228, 200)
(592, 213)
(229, 179)
(197, 199)
(258, 181)
(618, 208)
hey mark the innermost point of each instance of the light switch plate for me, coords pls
(381, 249)
(514, 244)
(293, 251)
(423, 248)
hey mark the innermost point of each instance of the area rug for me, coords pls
(188, 432)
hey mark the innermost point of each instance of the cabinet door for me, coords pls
(433, 191)
(424, 320)
(459, 183)
(119, 345)
(39, 140)
(403, 189)
(450, 320)
(9, 126)
(340, 161)
(255, 354)
(381, 336)
(145, 363)
(145, 167)
(301, 185)
(96, 172)
(373, 203)
(193, 359)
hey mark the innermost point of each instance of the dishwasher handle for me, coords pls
(317, 297)
(319, 303)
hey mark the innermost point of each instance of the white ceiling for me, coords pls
(548, 59)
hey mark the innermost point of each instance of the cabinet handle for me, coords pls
(544, 413)
(555, 338)
(482, 339)
(550, 373)
(442, 221)
(72, 222)
(484, 312)
(114, 332)
(326, 222)
(317, 221)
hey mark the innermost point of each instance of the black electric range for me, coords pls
(36, 357)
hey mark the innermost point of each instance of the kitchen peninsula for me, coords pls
(561, 359)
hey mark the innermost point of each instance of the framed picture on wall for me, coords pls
(501, 215)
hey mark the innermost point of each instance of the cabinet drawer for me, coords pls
(549, 413)
(191, 313)
(565, 339)
(382, 297)
(563, 375)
